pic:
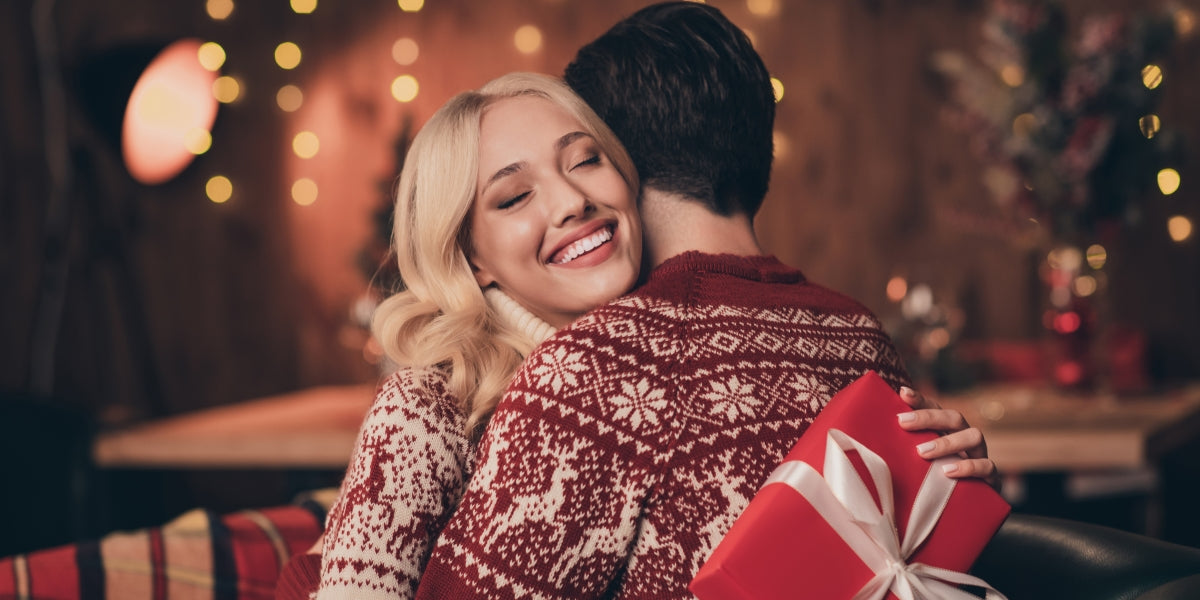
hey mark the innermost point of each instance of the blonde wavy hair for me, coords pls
(442, 318)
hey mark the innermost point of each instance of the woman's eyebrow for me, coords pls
(502, 173)
(570, 138)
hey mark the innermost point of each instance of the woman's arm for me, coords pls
(407, 473)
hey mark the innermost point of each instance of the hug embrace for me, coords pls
(599, 365)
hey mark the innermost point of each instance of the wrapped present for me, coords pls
(853, 512)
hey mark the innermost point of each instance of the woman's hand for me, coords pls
(957, 438)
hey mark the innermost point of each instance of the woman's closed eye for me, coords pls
(506, 204)
(592, 159)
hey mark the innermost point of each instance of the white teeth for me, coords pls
(587, 244)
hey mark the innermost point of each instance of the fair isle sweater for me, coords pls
(629, 442)
(408, 469)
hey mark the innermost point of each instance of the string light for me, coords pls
(763, 8)
(405, 51)
(411, 5)
(304, 191)
(405, 88)
(1152, 76)
(1168, 181)
(197, 141)
(777, 87)
(219, 189)
(226, 89)
(528, 39)
(287, 55)
(219, 10)
(1012, 75)
(289, 98)
(211, 55)
(1084, 285)
(897, 288)
(1179, 227)
(306, 144)
(1096, 256)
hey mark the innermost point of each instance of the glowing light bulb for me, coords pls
(1152, 76)
(897, 288)
(306, 144)
(1149, 125)
(219, 10)
(1168, 181)
(1096, 256)
(1012, 75)
(219, 189)
(198, 141)
(411, 5)
(304, 191)
(287, 55)
(226, 89)
(1179, 227)
(405, 88)
(304, 7)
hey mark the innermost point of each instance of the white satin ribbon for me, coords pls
(841, 498)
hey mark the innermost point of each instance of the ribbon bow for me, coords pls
(841, 497)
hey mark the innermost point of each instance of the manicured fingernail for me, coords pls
(926, 447)
(907, 391)
(950, 468)
(907, 417)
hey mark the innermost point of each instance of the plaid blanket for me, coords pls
(199, 555)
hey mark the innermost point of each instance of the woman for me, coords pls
(515, 214)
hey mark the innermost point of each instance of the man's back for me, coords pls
(629, 443)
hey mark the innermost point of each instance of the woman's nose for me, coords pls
(570, 203)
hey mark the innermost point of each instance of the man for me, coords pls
(627, 444)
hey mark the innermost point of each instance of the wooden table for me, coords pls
(1032, 430)
(308, 429)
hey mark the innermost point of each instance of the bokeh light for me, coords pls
(1024, 124)
(782, 144)
(198, 141)
(405, 88)
(1084, 286)
(528, 39)
(211, 55)
(226, 89)
(1149, 125)
(287, 55)
(306, 144)
(219, 189)
(1185, 22)
(304, 191)
(777, 86)
(219, 10)
(405, 51)
(1168, 181)
(1012, 75)
(304, 7)
(1152, 76)
(1179, 227)
(411, 5)
(1097, 256)
(897, 288)
(289, 98)
(763, 8)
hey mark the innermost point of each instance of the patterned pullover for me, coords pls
(629, 442)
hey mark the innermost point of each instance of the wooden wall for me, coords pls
(175, 303)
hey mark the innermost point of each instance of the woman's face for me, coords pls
(554, 225)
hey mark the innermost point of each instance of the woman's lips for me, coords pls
(583, 246)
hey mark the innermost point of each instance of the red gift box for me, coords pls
(789, 544)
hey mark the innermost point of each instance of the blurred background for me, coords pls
(1006, 184)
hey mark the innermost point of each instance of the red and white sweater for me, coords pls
(630, 441)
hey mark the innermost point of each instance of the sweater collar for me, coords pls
(763, 268)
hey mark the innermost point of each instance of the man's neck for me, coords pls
(674, 225)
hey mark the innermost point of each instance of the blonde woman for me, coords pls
(515, 214)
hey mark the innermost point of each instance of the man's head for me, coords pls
(686, 92)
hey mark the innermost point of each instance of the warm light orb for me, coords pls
(1152, 76)
(211, 55)
(405, 88)
(287, 55)
(219, 189)
(304, 191)
(1012, 75)
(782, 144)
(198, 141)
(304, 7)
(1084, 286)
(1024, 124)
(777, 87)
(528, 39)
(219, 10)
(172, 98)
(897, 288)
(1096, 256)
(289, 98)
(1150, 125)
(1179, 227)
(226, 89)
(1168, 181)
(405, 51)
(411, 5)
(763, 8)
(1185, 22)
(306, 144)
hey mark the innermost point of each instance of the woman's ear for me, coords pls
(482, 276)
